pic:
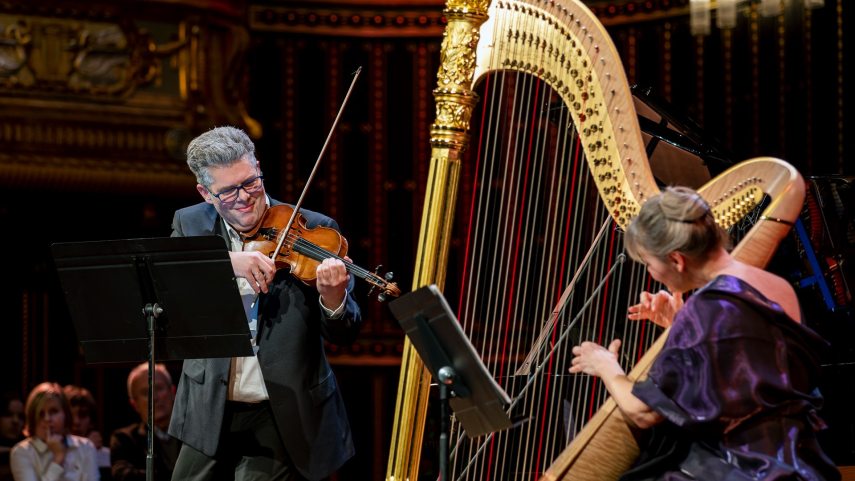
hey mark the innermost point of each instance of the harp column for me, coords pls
(455, 102)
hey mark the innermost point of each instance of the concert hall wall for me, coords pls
(98, 100)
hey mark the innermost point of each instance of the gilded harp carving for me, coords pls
(555, 171)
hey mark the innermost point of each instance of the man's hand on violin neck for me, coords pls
(255, 267)
(332, 282)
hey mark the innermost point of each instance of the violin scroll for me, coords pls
(383, 284)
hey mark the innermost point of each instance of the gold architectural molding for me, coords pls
(344, 18)
(92, 174)
(421, 18)
(104, 96)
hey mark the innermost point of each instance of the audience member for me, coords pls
(84, 413)
(11, 430)
(128, 446)
(50, 452)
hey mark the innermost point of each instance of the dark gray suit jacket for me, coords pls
(304, 396)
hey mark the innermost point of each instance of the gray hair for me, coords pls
(142, 370)
(676, 220)
(218, 147)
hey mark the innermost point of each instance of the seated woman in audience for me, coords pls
(50, 453)
(84, 423)
(11, 430)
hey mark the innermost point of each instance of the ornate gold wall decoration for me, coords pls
(105, 97)
(68, 56)
(14, 46)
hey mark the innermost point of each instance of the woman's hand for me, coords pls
(255, 267)
(659, 308)
(55, 443)
(593, 359)
(332, 282)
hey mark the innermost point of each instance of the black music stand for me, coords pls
(464, 382)
(153, 299)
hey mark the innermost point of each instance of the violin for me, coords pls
(304, 248)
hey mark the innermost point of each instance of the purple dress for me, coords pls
(736, 382)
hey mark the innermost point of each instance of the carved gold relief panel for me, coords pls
(106, 96)
(67, 56)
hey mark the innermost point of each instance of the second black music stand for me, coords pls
(153, 299)
(464, 382)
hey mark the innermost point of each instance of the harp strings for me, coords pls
(536, 263)
(561, 341)
(479, 290)
(533, 216)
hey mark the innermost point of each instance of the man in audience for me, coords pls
(128, 446)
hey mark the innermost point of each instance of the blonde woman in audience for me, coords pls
(49, 452)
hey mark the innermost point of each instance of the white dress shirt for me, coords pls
(32, 460)
(246, 383)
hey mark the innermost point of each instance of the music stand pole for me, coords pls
(152, 311)
(446, 379)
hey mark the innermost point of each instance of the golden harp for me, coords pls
(537, 204)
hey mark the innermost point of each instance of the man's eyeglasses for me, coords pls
(251, 186)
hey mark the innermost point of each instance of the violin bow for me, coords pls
(299, 203)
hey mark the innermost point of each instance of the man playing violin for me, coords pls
(277, 415)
